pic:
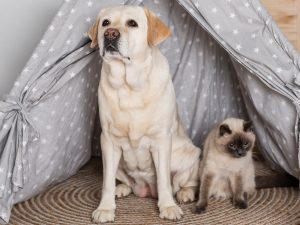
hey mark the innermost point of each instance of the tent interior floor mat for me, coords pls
(73, 201)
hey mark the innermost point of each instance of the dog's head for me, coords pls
(125, 32)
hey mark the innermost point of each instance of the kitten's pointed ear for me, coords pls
(247, 126)
(157, 30)
(93, 34)
(224, 129)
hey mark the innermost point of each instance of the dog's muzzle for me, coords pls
(111, 37)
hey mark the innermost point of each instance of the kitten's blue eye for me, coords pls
(246, 144)
(231, 145)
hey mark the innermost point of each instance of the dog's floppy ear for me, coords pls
(157, 30)
(93, 34)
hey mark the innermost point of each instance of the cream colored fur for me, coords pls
(142, 141)
(222, 166)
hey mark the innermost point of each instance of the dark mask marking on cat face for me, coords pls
(239, 145)
(224, 129)
(247, 126)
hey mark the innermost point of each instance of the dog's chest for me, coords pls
(138, 161)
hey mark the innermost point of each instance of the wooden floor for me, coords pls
(287, 15)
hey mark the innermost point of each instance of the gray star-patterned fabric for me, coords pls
(227, 59)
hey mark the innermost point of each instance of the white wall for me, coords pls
(22, 25)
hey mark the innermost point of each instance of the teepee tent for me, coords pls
(227, 59)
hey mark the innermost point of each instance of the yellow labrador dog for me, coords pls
(143, 142)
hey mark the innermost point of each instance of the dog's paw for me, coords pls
(103, 216)
(122, 190)
(185, 195)
(171, 213)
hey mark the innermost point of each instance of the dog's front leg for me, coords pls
(161, 154)
(111, 157)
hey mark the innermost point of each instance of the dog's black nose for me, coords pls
(112, 34)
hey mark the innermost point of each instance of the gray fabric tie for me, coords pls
(19, 129)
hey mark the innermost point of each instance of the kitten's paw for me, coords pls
(240, 204)
(185, 195)
(103, 216)
(122, 190)
(171, 213)
(199, 209)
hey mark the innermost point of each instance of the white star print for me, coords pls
(68, 41)
(232, 15)
(60, 14)
(70, 26)
(48, 127)
(56, 97)
(52, 28)
(35, 56)
(253, 35)
(51, 50)
(235, 31)
(53, 112)
(73, 10)
(217, 26)
(274, 56)
(43, 42)
(279, 70)
(88, 19)
(34, 89)
(238, 47)
(214, 10)
(72, 74)
(46, 64)
(256, 50)
(2, 187)
(250, 21)
(1, 170)
(271, 41)
(247, 4)
(177, 50)
(90, 4)
(258, 9)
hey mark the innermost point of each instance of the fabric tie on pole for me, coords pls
(17, 130)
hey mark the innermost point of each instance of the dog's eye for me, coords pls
(105, 23)
(132, 23)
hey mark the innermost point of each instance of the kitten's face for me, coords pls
(236, 137)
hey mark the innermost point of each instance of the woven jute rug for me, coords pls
(73, 201)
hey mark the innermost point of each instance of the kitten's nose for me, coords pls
(111, 34)
(240, 152)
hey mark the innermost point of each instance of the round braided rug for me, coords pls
(73, 201)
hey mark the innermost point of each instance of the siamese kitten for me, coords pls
(226, 169)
